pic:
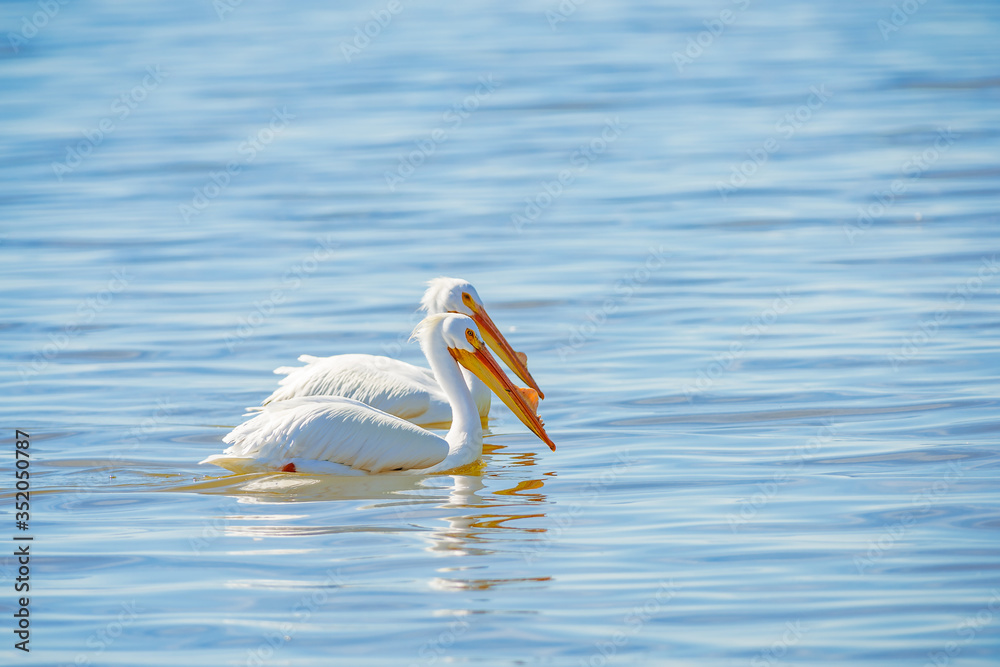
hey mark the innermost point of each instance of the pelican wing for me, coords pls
(390, 385)
(336, 430)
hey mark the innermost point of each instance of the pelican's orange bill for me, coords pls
(516, 361)
(485, 367)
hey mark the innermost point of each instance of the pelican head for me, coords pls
(454, 295)
(462, 337)
(450, 295)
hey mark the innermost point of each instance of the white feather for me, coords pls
(393, 386)
(329, 430)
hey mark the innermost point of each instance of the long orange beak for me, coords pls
(516, 361)
(485, 367)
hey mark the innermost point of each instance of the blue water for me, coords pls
(749, 248)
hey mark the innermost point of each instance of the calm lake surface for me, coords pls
(751, 251)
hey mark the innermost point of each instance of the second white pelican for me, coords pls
(399, 388)
(338, 435)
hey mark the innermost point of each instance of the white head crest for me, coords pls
(450, 295)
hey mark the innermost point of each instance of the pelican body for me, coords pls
(339, 435)
(399, 388)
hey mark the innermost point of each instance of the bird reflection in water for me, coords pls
(475, 520)
(480, 526)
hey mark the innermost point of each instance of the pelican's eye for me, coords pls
(470, 335)
(468, 301)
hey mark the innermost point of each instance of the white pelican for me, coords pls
(399, 388)
(337, 435)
